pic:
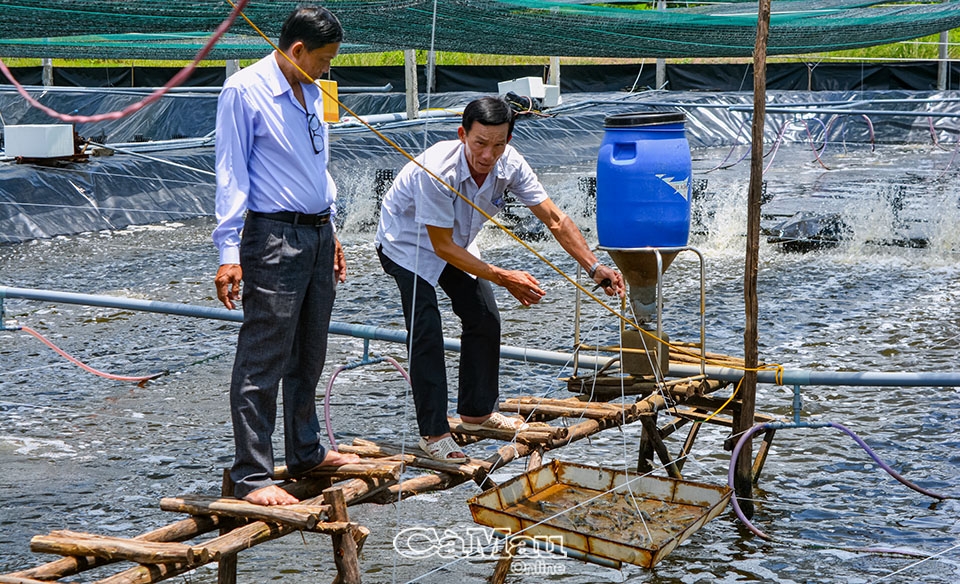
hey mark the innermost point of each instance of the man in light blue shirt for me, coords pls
(274, 233)
(427, 237)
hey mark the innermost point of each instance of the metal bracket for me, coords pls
(4, 324)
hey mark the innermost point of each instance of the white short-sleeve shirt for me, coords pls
(417, 199)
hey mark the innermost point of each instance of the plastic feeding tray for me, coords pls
(592, 511)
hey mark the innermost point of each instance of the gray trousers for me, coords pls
(288, 294)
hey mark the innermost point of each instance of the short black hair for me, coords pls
(313, 25)
(489, 111)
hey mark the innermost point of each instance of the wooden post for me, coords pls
(410, 79)
(232, 66)
(502, 570)
(553, 78)
(649, 423)
(47, 72)
(535, 460)
(943, 79)
(344, 545)
(743, 474)
(227, 566)
(661, 62)
(431, 71)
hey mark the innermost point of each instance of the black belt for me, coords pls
(296, 218)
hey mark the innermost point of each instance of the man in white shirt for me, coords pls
(274, 201)
(427, 236)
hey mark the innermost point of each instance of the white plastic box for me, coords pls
(524, 86)
(551, 97)
(38, 140)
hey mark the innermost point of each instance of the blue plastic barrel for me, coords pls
(643, 181)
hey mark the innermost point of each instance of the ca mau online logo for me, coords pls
(474, 542)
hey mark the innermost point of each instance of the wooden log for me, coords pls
(308, 487)
(551, 411)
(299, 516)
(359, 470)
(344, 546)
(360, 535)
(502, 569)
(333, 527)
(241, 538)
(72, 543)
(535, 460)
(570, 401)
(743, 478)
(468, 469)
(576, 406)
(575, 403)
(590, 427)
(508, 453)
(183, 530)
(11, 579)
(227, 565)
(535, 433)
(416, 486)
(649, 423)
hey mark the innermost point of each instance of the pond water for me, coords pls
(83, 453)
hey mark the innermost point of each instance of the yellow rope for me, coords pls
(505, 229)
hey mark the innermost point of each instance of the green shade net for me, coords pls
(176, 29)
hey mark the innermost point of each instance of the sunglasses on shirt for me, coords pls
(316, 134)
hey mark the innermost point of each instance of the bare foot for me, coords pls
(455, 454)
(272, 495)
(334, 458)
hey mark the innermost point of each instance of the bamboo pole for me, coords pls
(743, 479)
(73, 543)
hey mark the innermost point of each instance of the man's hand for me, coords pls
(522, 285)
(339, 263)
(228, 284)
(611, 280)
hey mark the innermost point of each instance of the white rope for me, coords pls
(413, 312)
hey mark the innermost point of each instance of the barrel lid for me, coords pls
(643, 119)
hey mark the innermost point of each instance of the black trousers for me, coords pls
(473, 301)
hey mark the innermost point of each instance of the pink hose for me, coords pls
(326, 397)
(84, 366)
(177, 79)
(746, 436)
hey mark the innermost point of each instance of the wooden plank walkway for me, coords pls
(381, 477)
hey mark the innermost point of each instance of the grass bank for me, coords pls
(925, 48)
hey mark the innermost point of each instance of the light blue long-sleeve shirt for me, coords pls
(266, 158)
